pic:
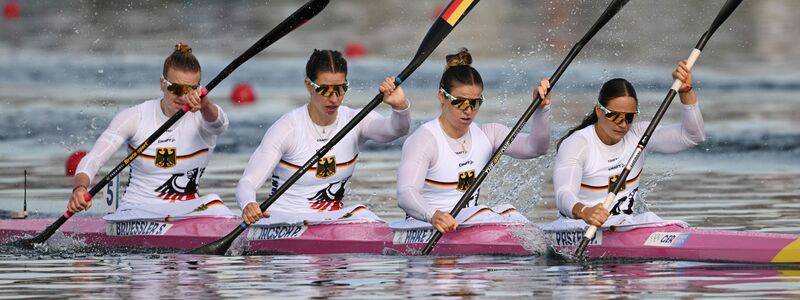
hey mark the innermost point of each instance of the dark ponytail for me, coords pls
(459, 72)
(181, 59)
(325, 61)
(613, 88)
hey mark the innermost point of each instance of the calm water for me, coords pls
(67, 68)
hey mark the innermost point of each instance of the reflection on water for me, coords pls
(370, 277)
(98, 57)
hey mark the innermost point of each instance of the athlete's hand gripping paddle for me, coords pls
(298, 18)
(450, 17)
(723, 14)
(609, 13)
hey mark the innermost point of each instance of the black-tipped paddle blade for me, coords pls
(298, 18)
(609, 13)
(220, 246)
(444, 24)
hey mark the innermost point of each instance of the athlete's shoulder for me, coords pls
(580, 138)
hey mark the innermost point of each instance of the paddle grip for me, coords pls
(689, 63)
(87, 197)
(593, 229)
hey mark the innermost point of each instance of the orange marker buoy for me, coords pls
(243, 94)
(355, 50)
(72, 162)
(11, 10)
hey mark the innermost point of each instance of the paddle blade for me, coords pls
(295, 20)
(582, 247)
(42, 237)
(451, 15)
(220, 246)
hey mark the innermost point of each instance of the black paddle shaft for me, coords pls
(438, 31)
(723, 15)
(436, 34)
(609, 13)
(298, 18)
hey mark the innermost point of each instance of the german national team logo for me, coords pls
(165, 157)
(326, 166)
(612, 181)
(465, 180)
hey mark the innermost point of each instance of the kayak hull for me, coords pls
(674, 242)
(491, 238)
(326, 238)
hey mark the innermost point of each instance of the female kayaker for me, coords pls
(297, 135)
(591, 156)
(164, 179)
(441, 159)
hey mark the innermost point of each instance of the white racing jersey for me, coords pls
(169, 170)
(436, 170)
(453, 174)
(294, 139)
(586, 168)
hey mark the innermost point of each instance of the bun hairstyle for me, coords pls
(613, 88)
(181, 59)
(458, 71)
(330, 61)
(462, 58)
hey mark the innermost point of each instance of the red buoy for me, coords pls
(11, 10)
(355, 50)
(73, 160)
(243, 94)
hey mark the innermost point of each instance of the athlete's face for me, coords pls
(455, 116)
(176, 78)
(326, 106)
(612, 132)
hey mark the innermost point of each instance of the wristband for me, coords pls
(80, 186)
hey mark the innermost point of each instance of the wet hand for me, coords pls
(684, 74)
(252, 213)
(77, 203)
(393, 94)
(443, 222)
(594, 215)
(541, 90)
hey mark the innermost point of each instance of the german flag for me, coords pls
(179, 157)
(440, 183)
(457, 9)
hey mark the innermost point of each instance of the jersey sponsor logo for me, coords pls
(465, 180)
(469, 162)
(137, 228)
(326, 166)
(172, 191)
(415, 236)
(572, 238)
(275, 232)
(666, 239)
(166, 157)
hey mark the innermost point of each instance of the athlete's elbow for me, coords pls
(541, 148)
(696, 138)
